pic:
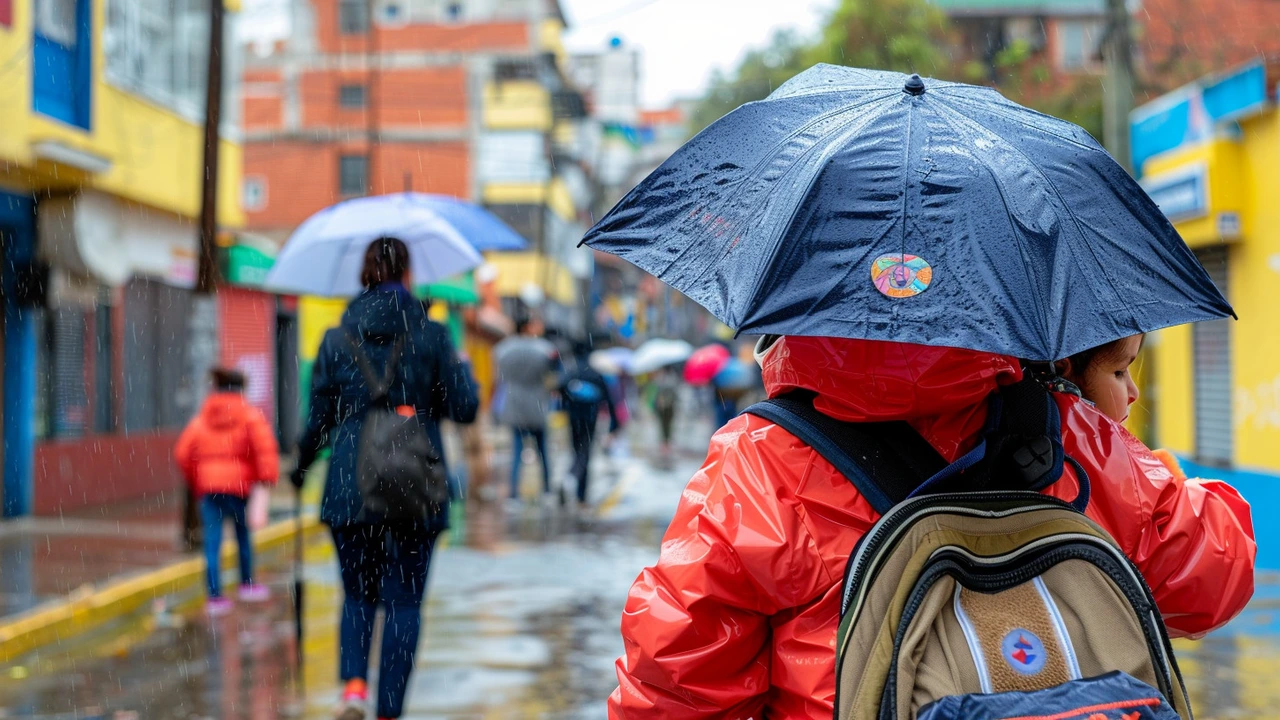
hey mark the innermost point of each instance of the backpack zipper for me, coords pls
(890, 525)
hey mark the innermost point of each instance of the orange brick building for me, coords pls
(377, 96)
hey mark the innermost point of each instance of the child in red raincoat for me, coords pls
(738, 617)
(225, 450)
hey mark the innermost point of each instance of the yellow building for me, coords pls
(101, 165)
(528, 174)
(1209, 155)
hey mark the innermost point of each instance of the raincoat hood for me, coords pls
(939, 390)
(223, 410)
(383, 312)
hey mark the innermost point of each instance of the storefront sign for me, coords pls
(1191, 113)
(1182, 194)
(246, 266)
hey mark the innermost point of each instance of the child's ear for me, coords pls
(1063, 367)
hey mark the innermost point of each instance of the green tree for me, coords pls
(902, 35)
(908, 36)
(760, 71)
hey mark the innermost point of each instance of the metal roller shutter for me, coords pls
(1213, 390)
(248, 320)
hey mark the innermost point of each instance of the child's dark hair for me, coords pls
(227, 379)
(386, 260)
(1083, 359)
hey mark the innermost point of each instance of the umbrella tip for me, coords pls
(914, 86)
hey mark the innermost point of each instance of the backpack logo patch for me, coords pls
(1023, 651)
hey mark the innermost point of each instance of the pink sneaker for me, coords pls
(218, 607)
(255, 593)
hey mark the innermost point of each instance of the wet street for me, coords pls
(521, 622)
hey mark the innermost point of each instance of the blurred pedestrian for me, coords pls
(584, 391)
(527, 362)
(225, 450)
(665, 398)
(383, 558)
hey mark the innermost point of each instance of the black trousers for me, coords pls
(582, 431)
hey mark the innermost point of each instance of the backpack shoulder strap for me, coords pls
(885, 461)
(379, 385)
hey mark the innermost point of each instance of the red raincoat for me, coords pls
(738, 618)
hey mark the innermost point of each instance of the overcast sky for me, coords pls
(684, 40)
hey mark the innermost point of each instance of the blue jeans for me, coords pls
(214, 509)
(539, 436)
(387, 565)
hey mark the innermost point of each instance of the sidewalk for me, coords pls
(72, 574)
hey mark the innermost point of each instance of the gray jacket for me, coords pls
(524, 368)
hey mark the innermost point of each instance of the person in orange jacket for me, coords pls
(225, 450)
(738, 617)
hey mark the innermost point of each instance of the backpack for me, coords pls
(400, 474)
(975, 596)
(583, 392)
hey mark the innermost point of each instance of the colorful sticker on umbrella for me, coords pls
(901, 276)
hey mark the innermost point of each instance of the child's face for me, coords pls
(1106, 382)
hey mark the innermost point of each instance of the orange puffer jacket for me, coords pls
(227, 447)
(738, 617)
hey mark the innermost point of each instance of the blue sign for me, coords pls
(1181, 194)
(1190, 113)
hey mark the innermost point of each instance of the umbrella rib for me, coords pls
(995, 109)
(1031, 280)
(1061, 201)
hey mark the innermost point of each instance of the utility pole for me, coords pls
(207, 272)
(1117, 95)
(202, 346)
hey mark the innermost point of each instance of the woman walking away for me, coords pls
(383, 550)
(223, 452)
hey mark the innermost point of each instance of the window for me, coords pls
(515, 70)
(159, 49)
(104, 412)
(62, 405)
(255, 193)
(61, 53)
(353, 175)
(56, 20)
(453, 11)
(158, 389)
(353, 17)
(351, 97)
(1079, 44)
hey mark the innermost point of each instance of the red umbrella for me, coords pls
(704, 363)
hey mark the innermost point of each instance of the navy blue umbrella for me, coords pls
(865, 204)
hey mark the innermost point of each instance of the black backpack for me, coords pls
(399, 472)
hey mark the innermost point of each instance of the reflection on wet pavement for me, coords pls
(521, 621)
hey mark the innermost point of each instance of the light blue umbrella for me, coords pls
(325, 254)
(484, 230)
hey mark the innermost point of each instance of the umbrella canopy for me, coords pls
(705, 363)
(484, 230)
(874, 205)
(325, 254)
(611, 361)
(736, 375)
(659, 353)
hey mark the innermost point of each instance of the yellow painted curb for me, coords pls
(89, 607)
